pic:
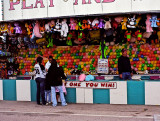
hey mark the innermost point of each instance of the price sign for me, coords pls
(103, 66)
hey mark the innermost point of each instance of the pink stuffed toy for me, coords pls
(148, 24)
(72, 24)
(82, 77)
(36, 30)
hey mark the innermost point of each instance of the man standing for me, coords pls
(48, 64)
(124, 66)
(47, 83)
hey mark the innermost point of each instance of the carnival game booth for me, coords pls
(79, 44)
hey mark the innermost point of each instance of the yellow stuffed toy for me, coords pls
(124, 23)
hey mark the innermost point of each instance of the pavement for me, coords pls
(30, 111)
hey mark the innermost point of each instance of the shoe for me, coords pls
(47, 103)
(65, 104)
(54, 105)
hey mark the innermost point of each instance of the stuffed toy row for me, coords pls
(131, 28)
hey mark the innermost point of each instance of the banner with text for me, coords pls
(30, 9)
(101, 85)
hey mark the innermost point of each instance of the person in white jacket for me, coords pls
(40, 75)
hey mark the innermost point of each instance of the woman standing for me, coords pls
(55, 75)
(40, 80)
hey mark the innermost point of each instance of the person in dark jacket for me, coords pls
(55, 76)
(124, 66)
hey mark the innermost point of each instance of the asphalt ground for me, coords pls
(30, 111)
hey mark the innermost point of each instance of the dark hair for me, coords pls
(39, 59)
(124, 49)
(51, 56)
(54, 63)
(53, 70)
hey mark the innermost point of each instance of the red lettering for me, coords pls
(79, 84)
(113, 85)
(41, 2)
(108, 1)
(51, 3)
(71, 84)
(96, 84)
(87, 84)
(24, 5)
(13, 3)
(110, 85)
(102, 84)
(75, 84)
(91, 84)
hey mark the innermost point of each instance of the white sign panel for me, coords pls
(12, 9)
(29, 9)
(85, 7)
(103, 66)
(113, 6)
(145, 5)
(59, 8)
(34, 9)
(100, 85)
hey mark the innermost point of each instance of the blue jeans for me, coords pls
(40, 90)
(48, 94)
(126, 75)
(54, 100)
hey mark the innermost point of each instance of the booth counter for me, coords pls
(144, 92)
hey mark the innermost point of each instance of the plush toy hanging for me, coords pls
(50, 40)
(128, 35)
(101, 24)
(58, 25)
(42, 27)
(81, 36)
(84, 24)
(154, 21)
(10, 29)
(4, 28)
(139, 35)
(72, 24)
(17, 28)
(64, 29)
(89, 24)
(37, 30)
(103, 48)
(95, 24)
(131, 22)
(148, 24)
(69, 41)
(47, 28)
(80, 25)
(107, 23)
(28, 30)
(124, 23)
(52, 26)
(138, 20)
(114, 24)
(154, 38)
